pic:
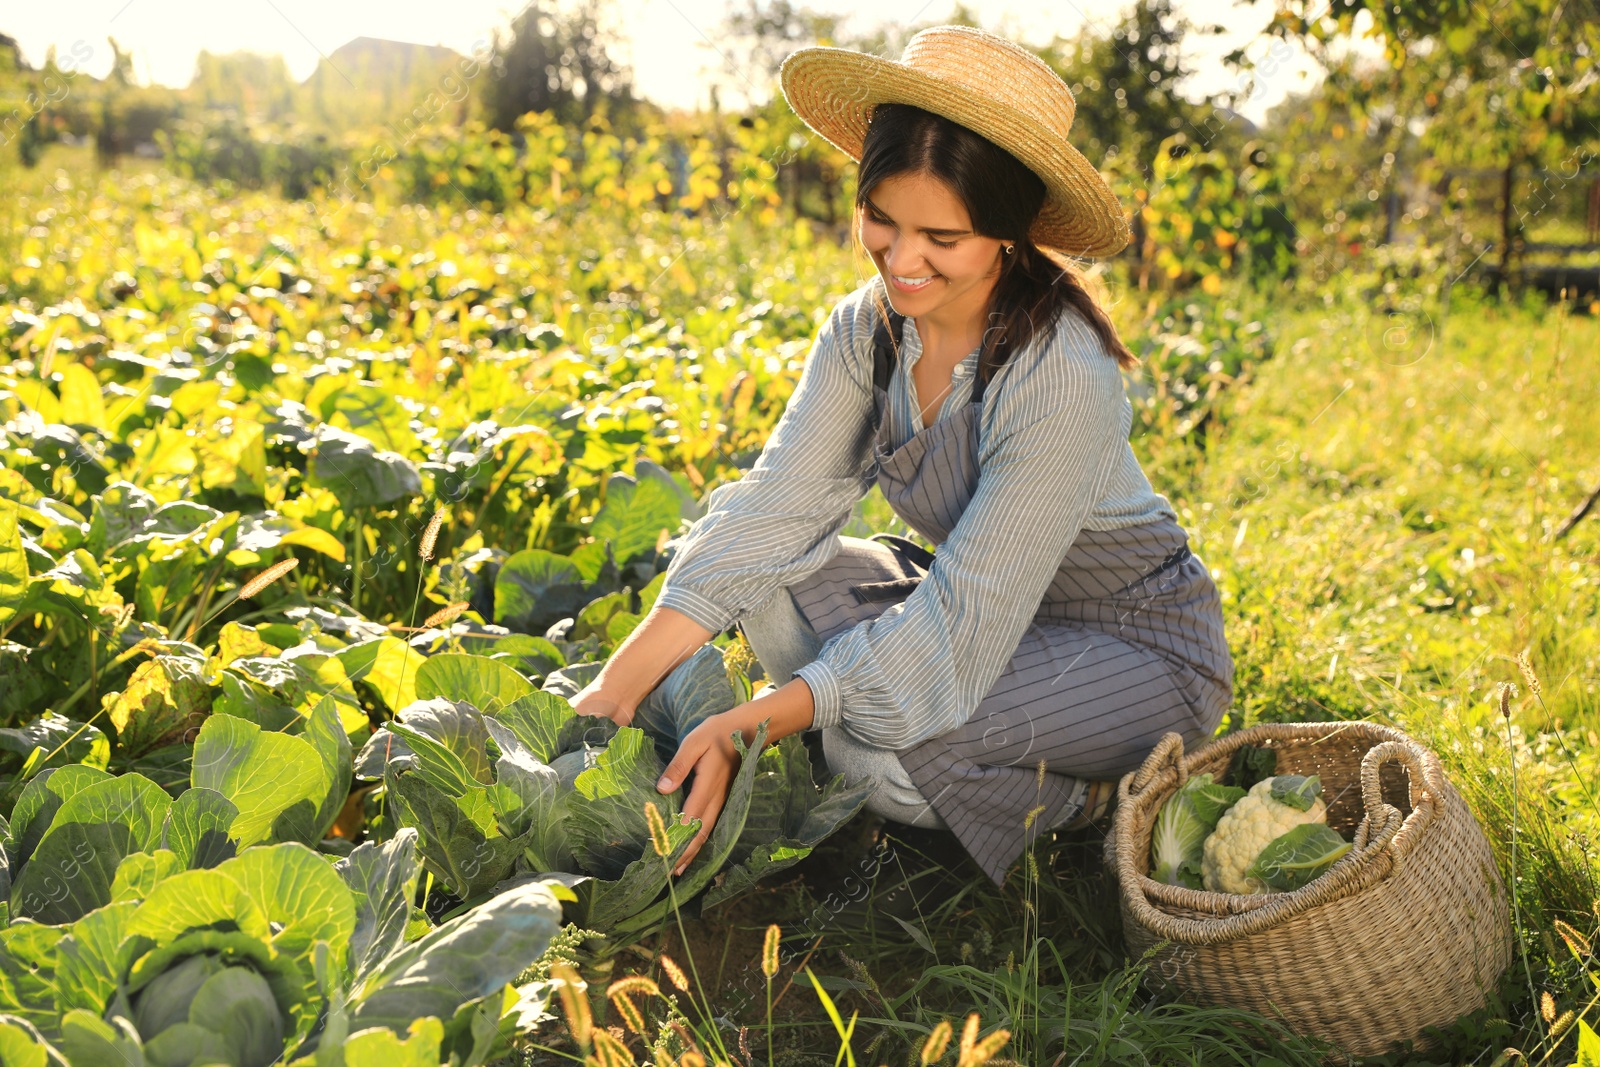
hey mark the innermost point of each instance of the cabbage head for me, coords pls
(532, 788)
(206, 1009)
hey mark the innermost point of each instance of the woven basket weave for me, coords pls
(1409, 929)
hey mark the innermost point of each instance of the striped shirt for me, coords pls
(1053, 459)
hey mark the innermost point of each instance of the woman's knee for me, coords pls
(781, 637)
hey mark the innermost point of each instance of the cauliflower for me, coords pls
(1272, 808)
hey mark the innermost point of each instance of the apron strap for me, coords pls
(886, 353)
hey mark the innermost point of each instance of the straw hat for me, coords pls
(987, 84)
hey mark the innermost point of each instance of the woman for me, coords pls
(1063, 618)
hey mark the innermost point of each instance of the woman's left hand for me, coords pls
(709, 753)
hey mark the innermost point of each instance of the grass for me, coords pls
(1380, 520)
(1379, 503)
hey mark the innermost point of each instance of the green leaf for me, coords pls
(487, 684)
(788, 816)
(457, 727)
(1588, 1046)
(36, 808)
(71, 871)
(1292, 859)
(325, 731)
(606, 818)
(460, 840)
(1250, 764)
(275, 780)
(536, 589)
(1186, 819)
(199, 826)
(94, 955)
(90, 1041)
(438, 764)
(382, 1047)
(358, 473)
(28, 960)
(139, 873)
(389, 666)
(1297, 791)
(22, 1045)
(372, 411)
(697, 689)
(72, 742)
(165, 698)
(13, 563)
(529, 801)
(194, 900)
(528, 654)
(764, 860)
(300, 894)
(474, 955)
(545, 723)
(724, 836)
(570, 680)
(636, 511)
(382, 879)
(606, 904)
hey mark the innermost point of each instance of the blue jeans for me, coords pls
(783, 641)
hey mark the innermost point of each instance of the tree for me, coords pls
(557, 62)
(1126, 83)
(1509, 86)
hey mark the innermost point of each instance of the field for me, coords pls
(463, 428)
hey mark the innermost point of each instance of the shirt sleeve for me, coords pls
(775, 525)
(1046, 454)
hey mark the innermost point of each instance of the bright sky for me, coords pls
(671, 43)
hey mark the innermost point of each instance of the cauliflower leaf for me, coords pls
(1187, 817)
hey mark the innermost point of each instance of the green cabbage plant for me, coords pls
(533, 788)
(276, 952)
(72, 826)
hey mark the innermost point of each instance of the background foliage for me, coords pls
(255, 323)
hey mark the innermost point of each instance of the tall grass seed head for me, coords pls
(1507, 691)
(1525, 664)
(629, 1011)
(938, 1040)
(430, 536)
(446, 614)
(658, 829)
(674, 972)
(769, 951)
(267, 577)
(574, 1003)
(1575, 941)
(634, 983)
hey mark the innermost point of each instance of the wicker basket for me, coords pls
(1409, 929)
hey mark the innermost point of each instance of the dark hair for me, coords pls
(1036, 285)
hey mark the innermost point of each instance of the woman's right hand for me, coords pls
(593, 699)
(661, 641)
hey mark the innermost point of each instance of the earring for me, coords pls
(1010, 249)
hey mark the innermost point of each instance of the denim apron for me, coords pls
(1126, 644)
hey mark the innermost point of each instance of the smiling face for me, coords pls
(915, 227)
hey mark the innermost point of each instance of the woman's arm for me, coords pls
(770, 528)
(921, 668)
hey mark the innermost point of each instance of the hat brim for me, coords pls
(833, 91)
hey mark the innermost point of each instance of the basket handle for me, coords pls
(1383, 819)
(1168, 750)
